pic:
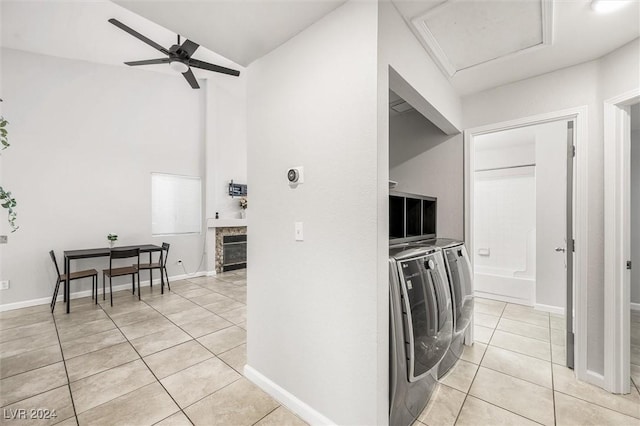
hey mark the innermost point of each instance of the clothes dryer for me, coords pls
(461, 287)
(421, 328)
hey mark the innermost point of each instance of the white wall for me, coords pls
(619, 70)
(226, 138)
(423, 160)
(313, 317)
(422, 84)
(402, 64)
(226, 150)
(585, 84)
(85, 139)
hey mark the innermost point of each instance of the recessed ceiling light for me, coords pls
(606, 6)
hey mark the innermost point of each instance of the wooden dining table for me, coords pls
(70, 255)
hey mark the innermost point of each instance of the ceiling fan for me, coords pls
(179, 56)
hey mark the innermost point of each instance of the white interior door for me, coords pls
(551, 216)
(520, 213)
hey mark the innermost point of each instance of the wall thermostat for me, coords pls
(295, 175)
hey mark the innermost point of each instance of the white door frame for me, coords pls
(617, 249)
(581, 213)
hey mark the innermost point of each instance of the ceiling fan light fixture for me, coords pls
(606, 6)
(179, 66)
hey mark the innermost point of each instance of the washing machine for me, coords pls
(421, 328)
(461, 286)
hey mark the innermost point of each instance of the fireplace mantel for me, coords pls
(225, 223)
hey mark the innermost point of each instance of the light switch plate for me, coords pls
(299, 231)
(4, 285)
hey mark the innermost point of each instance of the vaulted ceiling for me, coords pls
(80, 30)
(242, 31)
(479, 43)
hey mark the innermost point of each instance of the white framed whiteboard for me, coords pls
(176, 204)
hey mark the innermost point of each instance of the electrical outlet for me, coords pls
(4, 239)
(4, 285)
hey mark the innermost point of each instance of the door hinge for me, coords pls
(574, 150)
(573, 245)
(628, 264)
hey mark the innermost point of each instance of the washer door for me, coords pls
(459, 271)
(427, 313)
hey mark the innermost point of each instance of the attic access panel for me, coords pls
(460, 34)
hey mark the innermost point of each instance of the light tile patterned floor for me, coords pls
(172, 359)
(515, 374)
(177, 358)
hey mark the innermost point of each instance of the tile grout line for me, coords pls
(35, 368)
(466, 396)
(474, 378)
(214, 355)
(146, 365)
(66, 371)
(553, 386)
(196, 340)
(192, 338)
(127, 340)
(597, 404)
(59, 345)
(216, 391)
(269, 413)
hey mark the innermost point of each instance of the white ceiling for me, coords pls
(79, 30)
(244, 30)
(462, 34)
(579, 35)
(241, 30)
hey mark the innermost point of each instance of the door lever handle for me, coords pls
(561, 249)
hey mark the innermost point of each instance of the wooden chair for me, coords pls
(118, 272)
(161, 265)
(72, 276)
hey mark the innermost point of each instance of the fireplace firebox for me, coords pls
(234, 252)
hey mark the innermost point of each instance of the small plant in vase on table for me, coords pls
(112, 239)
(243, 206)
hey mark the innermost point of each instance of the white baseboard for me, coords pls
(501, 298)
(211, 273)
(596, 379)
(290, 401)
(87, 293)
(549, 308)
(635, 306)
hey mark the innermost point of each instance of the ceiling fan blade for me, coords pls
(210, 67)
(138, 36)
(189, 47)
(191, 79)
(148, 62)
